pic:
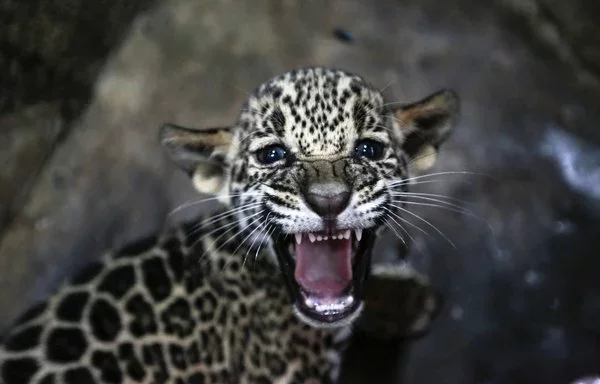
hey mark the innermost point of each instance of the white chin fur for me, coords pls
(346, 321)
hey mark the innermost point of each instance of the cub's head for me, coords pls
(313, 167)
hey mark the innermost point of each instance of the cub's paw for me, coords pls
(399, 302)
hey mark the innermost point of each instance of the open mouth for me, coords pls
(325, 273)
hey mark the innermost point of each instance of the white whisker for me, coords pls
(433, 205)
(406, 221)
(387, 85)
(426, 198)
(395, 232)
(263, 224)
(427, 222)
(231, 212)
(270, 230)
(426, 194)
(446, 173)
(241, 231)
(444, 205)
(223, 234)
(200, 201)
(258, 227)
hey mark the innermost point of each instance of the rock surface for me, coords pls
(519, 270)
(570, 28)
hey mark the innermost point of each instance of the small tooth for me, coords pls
(312, 237)
(298, 238)
(326, 238)
(319, 238)
(358, 234)
(334, 237)
(347, 234)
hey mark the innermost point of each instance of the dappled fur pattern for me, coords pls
(144, 314)
(206, 303)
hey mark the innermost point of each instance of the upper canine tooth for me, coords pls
(347, 234)
(312, 237)
(298, 237)
(358, 233)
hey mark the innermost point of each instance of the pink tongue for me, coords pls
(323, 268)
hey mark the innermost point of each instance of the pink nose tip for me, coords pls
(328, 206)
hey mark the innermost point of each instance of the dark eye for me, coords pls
(271, 154)
(370, 149)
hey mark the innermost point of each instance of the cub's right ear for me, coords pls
(200, 153)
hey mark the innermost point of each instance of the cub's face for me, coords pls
(314, 167)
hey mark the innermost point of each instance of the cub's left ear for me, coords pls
(200, 153)
(424, 125)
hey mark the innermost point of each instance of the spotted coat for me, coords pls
(206, 303)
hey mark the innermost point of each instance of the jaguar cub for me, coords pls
(267, 289)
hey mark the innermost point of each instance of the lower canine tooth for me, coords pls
(298, 238)
(358, 233)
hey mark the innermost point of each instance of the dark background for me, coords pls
(85, 87)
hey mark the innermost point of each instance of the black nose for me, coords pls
(328, 205)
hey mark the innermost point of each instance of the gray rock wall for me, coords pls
(570, 29)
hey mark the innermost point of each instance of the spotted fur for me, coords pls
(207, 303)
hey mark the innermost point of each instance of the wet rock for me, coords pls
(52, 51)
(27, 139)
(571, 29)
